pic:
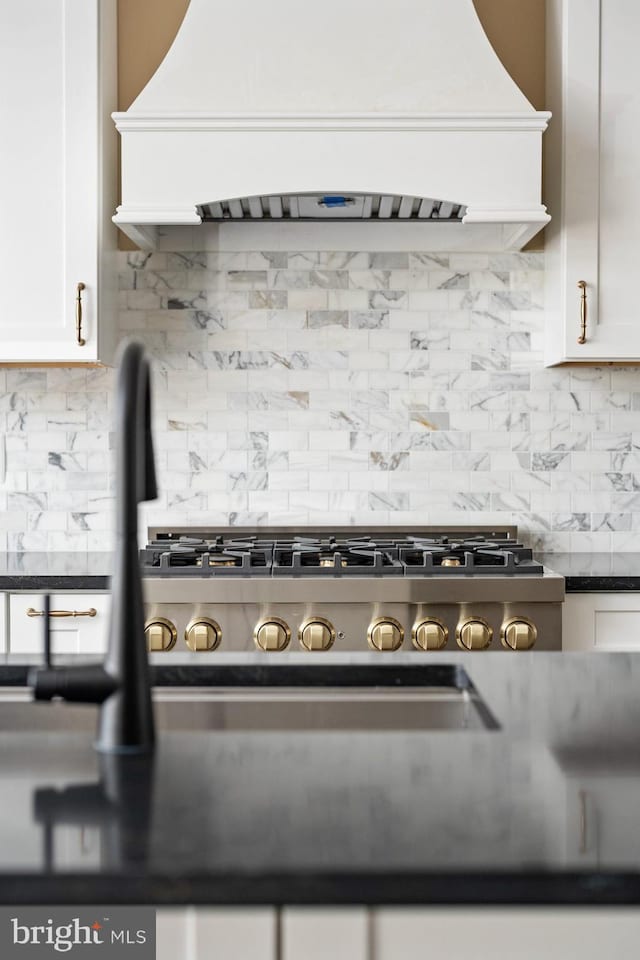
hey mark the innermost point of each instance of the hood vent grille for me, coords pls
(310, 207)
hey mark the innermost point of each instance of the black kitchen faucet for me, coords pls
(121, 684)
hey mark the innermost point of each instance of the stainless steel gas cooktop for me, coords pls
(315, 590)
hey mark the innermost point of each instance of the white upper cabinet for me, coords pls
(58, 76)
(592, 153)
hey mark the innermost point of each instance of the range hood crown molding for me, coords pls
(466, 137)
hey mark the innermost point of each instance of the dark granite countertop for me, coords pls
(230, 816)
(595, 572)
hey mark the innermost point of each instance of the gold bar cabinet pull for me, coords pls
(91, 612)
(582, 286)
(79, 338)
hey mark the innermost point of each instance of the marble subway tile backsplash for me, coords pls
(331, 387)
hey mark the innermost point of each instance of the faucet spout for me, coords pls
(122, 685)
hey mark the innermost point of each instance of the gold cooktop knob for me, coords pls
(161, 635)
(384, 634)
(429, 634)
(272, 634)
(202, 634)
(474, 634)
(316, 633)
(518, 634)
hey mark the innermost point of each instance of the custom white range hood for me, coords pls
(397, 112)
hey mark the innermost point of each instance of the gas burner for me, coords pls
(326, 560)
(333, 558)
(468, 557)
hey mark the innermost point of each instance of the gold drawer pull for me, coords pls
(91, 612)
(582, 286)
(79, 338)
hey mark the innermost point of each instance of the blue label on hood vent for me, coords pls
(335, 201)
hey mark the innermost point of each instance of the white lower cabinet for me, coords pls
(3, 623)
(601, 821)
(217, 933)
(492, 933)
(604, 622)
(318, 933)
(396, 933)
(79, 622)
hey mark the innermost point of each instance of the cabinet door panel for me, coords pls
(619, 160)
(82, 634)
(319, 933)
(58, 74)
(504, 934)
(226, 933)
(601, 622)
(592, 153)
(32, 257)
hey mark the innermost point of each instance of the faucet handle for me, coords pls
(46, 629)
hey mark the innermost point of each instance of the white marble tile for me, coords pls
(362, 378)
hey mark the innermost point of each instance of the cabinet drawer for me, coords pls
(72, 634)
(602, 622)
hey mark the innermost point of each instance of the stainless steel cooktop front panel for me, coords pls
(338, 590)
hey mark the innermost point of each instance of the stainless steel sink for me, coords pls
(257, 709)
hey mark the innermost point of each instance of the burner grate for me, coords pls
(354, 558)
(387, 554)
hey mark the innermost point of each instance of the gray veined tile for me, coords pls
(571, 521)
(510, 501)
(247, 279)
(445, 280)
(67, 461)
(268, 299)
(470, 501)
(549, 461)
(27, 501)
(289, 279)
(429, 419)
(470, 460)
(611, 441)
(370, 279)
(379, 460)
(288, 400)
(255, 480)
(389, 261)
(329, 279)
(388, 501)
(429, 339)
(611, 521)
(273, 260)
(379, 299)
(197, 464)
(492, 360)
(368, 319)
(327, 318)
(184, 300)
(351, 420)
(188, 260)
